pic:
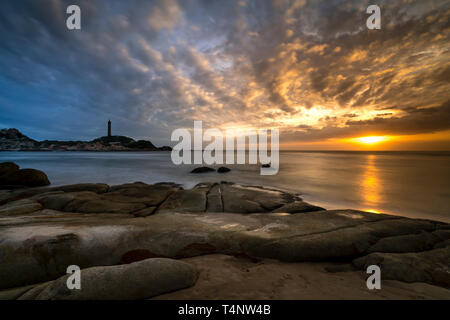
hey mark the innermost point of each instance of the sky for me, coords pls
(309, 68)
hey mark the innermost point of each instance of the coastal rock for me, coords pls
(297, 207)
(430, 266)
(185, 201)
(249, 199)
(25, 177)
(89, 202)
(138, 280)
(38, 192)
(150, 195)
(20, 207)
(93, 187)
(223, 170)
(202, 170)
(8, 168)
(407, 243)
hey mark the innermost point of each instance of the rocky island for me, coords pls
(14, 140)
(214, 241)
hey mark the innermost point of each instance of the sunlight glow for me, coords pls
(371, 139)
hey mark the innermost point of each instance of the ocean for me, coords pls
(412, 184)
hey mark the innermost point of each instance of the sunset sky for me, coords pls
(310, 68)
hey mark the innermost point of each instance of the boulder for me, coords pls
(25, 177)
(8, 168)
(429, 266)
(406, 243)
(138, 280)
(223, 170)
(202, 170)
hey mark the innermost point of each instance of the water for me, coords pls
(413, 184)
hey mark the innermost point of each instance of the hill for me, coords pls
(13, 139)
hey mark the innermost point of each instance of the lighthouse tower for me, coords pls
(109, 128)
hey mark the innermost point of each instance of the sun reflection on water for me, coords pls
(370, 184)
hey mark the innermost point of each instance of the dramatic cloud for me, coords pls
(310, 68)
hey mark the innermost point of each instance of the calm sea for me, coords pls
(413, 184)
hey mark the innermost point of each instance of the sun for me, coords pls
(371, 139)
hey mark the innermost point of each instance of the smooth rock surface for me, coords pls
(138, 280)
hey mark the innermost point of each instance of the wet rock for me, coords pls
(202, 170)
(297, 207)
(138, 280)
(25, 177)
(223, 170)
(430, 266)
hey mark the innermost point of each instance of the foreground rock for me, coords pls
(227, 277)
(138, 280)
(44, 230)
(11, 175)
(430, 266)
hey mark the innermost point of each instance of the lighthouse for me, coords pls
(109, 128)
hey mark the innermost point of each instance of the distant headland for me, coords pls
(13, 140)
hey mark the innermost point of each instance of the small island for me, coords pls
(13, 140)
